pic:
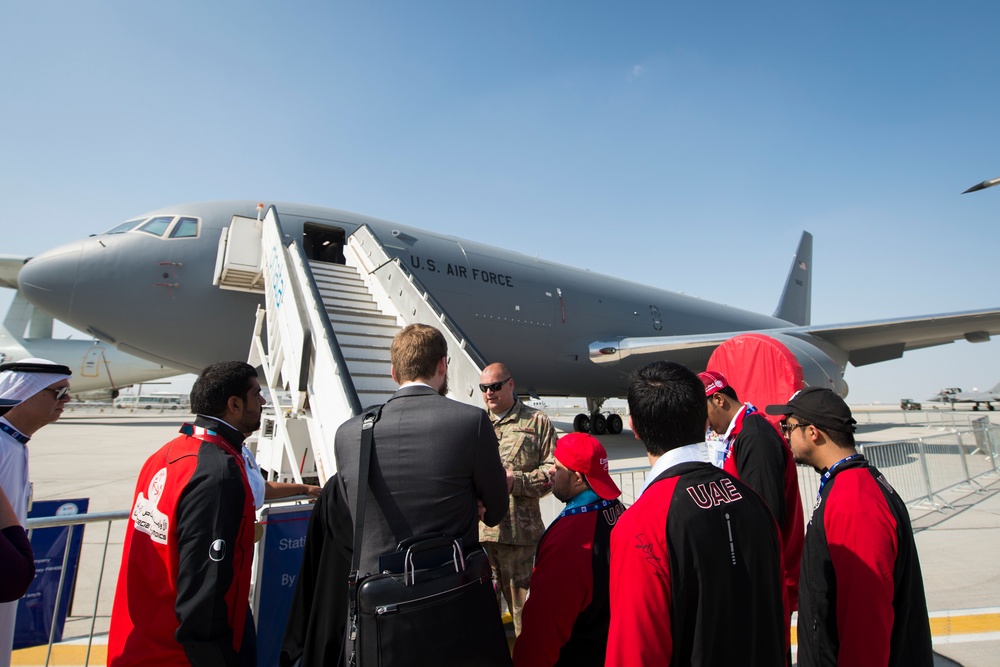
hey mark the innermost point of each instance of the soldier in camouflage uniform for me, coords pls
(527, 442)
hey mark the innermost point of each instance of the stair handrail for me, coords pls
(367, 236)
(376, 263)
(286, 267)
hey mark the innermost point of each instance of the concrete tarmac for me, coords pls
(97, 455)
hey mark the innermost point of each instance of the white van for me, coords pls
(152, 401)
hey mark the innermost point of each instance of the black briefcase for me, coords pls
(431, 613)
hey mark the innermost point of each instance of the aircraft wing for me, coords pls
(10, 265)
(881, 340)
(865, 342)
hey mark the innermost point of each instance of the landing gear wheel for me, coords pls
(581, 423)
(598, 424)
(989, 406)
(975, 408)
(614, 424)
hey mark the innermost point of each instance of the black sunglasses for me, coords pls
(493, 386)
(60, 393)
(786, 428)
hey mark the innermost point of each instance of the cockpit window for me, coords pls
(185, 228)
(124, 227)
(158, 225)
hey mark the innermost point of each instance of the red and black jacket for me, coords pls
(565, 619)
(861, 595)
(182, 595)
(696, 575)
(762, 460)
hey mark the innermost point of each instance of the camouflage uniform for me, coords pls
(527, 442)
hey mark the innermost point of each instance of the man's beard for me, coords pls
(444, 387)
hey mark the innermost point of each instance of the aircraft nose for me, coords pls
(48, 280)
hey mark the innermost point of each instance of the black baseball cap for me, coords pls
(819, 406)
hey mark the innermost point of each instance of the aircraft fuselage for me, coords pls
(153, 297)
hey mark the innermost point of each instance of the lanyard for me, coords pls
(826, 476)
(735, 431)
(14, 433)
(583, 509)
(206, 435)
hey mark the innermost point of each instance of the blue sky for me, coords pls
(680, 146)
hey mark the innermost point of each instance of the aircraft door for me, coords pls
(515, 293)
(93, 362)
(324, 243)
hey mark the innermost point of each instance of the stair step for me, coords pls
(380, 330)
(368, 367)
(340, 302)
(349, 338)
(373, 382)
(349, 281)
(327, 267)
(374, 318)
(365, 352)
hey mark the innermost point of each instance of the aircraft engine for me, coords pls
(96, 395)
(768, 368)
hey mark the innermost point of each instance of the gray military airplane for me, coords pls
(99, 370)
(955, 395)
(146, 287)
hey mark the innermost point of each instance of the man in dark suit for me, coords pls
(433, 461)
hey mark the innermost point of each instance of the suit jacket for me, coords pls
(432, 459)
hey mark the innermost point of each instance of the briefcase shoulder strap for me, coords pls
(371, 416)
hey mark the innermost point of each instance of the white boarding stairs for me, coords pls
(323, 338)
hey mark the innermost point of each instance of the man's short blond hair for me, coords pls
(416, 351)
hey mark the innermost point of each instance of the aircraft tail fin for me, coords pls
(795, 305)
(23, 320)
(996, 389)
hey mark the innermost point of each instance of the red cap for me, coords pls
(585, 454)
(713, 381)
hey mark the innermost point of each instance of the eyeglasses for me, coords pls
(786, 428)
(61, 392)
(493, 386)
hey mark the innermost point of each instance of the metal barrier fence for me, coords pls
(94, 560)
(931, 417)
(85, 575)
(919, 469)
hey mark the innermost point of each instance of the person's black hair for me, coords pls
(731, 393)
(219, 381)
(667, 403)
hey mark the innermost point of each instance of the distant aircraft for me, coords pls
(99, 370)
(982, 186)
(955, 395)
(146, 287)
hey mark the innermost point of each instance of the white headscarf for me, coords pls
(21, 385)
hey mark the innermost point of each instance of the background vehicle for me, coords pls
(152, 401)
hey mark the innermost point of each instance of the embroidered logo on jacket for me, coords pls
(145, 515)
(713, 494)
(645, 546)
(217, 551)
